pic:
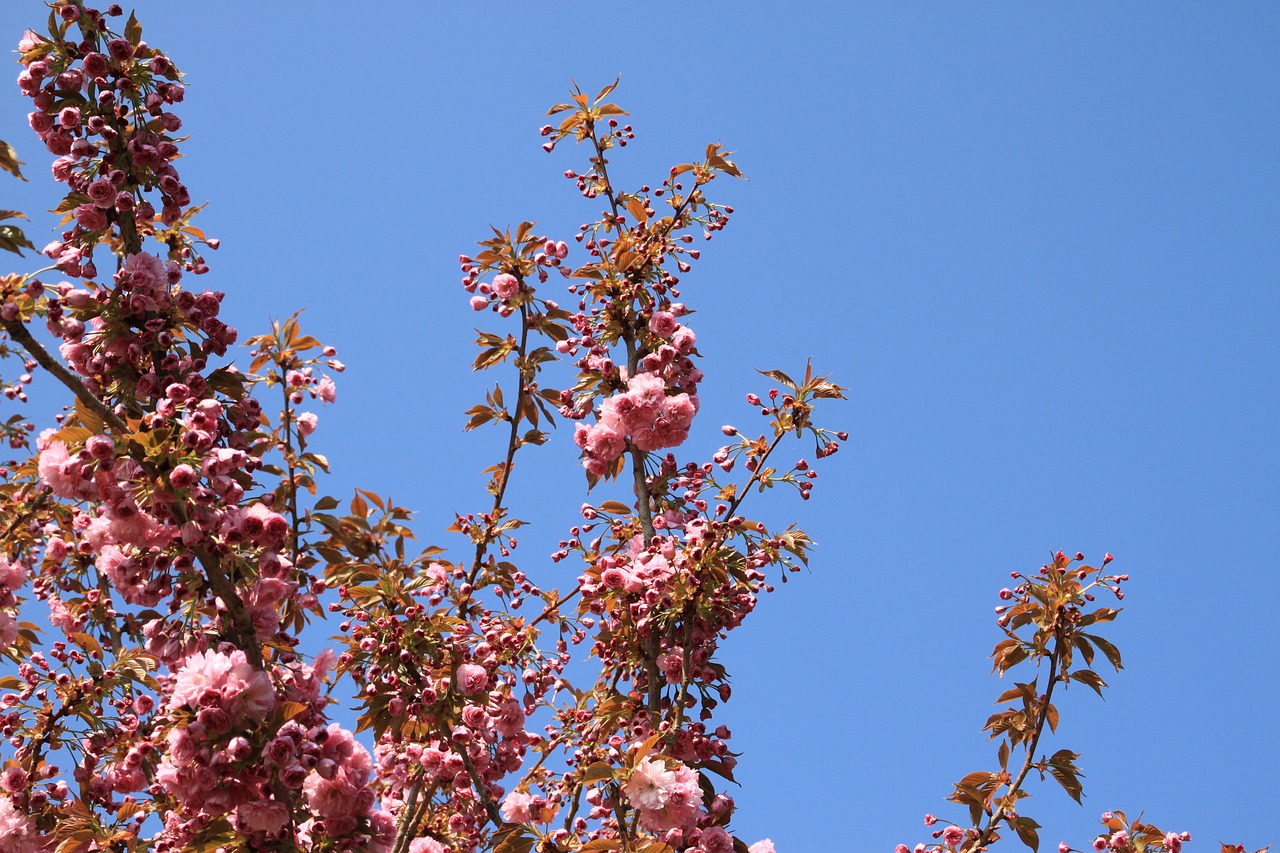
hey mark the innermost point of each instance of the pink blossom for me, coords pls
(663, 324)
(649, 784)
(506, 285)
(29, 40)
(515, 808)
(52, 465)
(472, 678)
(326, 390)
(103, 193)
(228, 679)
(665, 798)
(90, 217)
(425, 845)
(267, 816)
(762, 846)
(307, 423)
(952, 836)
(17, 833)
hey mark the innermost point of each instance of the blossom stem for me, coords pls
(984, 837)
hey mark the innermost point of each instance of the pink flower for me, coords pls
(425, 845)
(62, 474)
(716, 840)
(663, 324)
(266, 816)
(649, 785)
(227, 680)
(762, 846)
(90, 217)
(307, 423)
(506, 285)
(472, 678)
(103, 193)
(326, 390)
(17, 833)
(515, 808)
(29, 40)
(666, 799)
(952, 836)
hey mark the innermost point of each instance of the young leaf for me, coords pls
(9, 160)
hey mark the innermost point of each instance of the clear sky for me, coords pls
(1038, 242)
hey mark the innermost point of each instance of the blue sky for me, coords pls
(1036, 241)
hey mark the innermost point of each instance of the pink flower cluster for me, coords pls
(13, 577)
(81, 98)
(224, 684)
(666, 798)
(17, 833)
(646, 413)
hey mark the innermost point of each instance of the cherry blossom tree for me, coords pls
(167, 541)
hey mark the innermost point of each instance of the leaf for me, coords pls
(779, 376)
(12, 239)
(1026, 829)
(88, 643)
(1112, 653)
(133, 30)
(9, 160)
(1086, 650)
(637, 209)
(87, 417)
(1067, 778)
(717, 767)
(597, 772)
(601, 844)
(607, 89)
(645, 748)
(293, 709)
(512, 838)
(1089, 678)
(662, 847)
